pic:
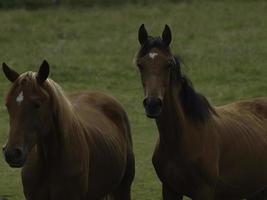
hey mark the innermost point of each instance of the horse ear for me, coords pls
(167, 35)
(9, 73)
(43, 72)
(142, 35)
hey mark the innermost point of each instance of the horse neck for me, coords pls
(171, 122)
(177, 133)
(53, 145)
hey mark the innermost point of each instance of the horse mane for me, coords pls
(195, 105)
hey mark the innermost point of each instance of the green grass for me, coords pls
(223, 45)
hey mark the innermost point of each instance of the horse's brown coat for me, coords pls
(203, 152)
(86, 151)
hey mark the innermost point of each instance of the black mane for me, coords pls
(195, 105)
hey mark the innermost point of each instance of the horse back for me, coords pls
(256, 106)
(243, 118)
(108, 106)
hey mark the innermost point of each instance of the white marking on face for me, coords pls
(20, 98)
(153, 55)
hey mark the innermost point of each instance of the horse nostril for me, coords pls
(153, 106)
(18, 153)
(152, 101)
(158, 102)
(13, 155)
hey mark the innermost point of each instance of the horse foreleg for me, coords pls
(204, 192)
(122, 193)
(168, 194)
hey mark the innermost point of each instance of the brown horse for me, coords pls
(203, 152)
(75, 148)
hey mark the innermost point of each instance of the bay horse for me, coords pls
(75, 147)
(203, 152)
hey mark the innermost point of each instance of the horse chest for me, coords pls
(178, 177)
(51, 184)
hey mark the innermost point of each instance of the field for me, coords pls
(223, 46)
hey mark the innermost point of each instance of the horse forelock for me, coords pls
(25, 79)
(55, 92)
(153, 42)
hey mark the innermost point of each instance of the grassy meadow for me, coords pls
(223, 46)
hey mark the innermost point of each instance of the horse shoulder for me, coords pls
(201, 158)
(203, 164)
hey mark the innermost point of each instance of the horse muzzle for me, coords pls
(15, 157)
(153, 106)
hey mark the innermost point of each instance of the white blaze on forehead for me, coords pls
(153, 55)
(20, 98)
